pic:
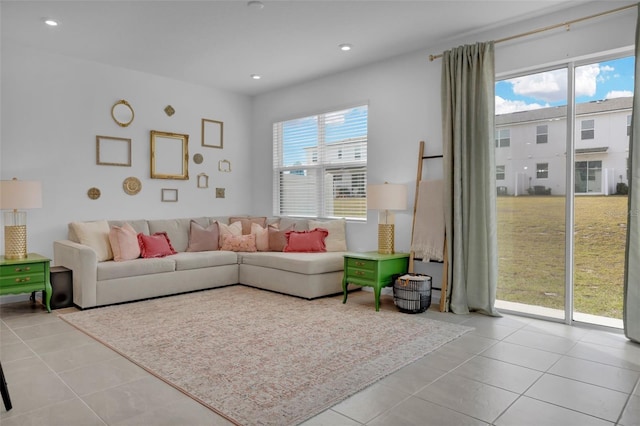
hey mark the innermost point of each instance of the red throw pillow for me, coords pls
(156, 245)
(306, 241)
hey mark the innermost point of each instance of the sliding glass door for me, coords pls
(562, 140)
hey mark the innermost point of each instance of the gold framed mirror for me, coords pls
(122, 113)
(169, 155)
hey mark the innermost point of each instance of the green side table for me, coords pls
(26, 275)
(372, 269)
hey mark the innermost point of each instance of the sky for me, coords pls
(598, 81)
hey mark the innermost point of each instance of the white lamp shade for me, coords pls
(20, 194)
(387, 197)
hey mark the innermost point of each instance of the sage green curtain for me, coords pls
(631, 313)
(468, 109)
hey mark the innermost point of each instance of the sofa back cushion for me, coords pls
(177, 230)
(337, 238)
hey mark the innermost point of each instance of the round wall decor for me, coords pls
(132, 185)
(197, 158)
(93, 193)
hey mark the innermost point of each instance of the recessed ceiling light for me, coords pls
(51, 22)
(345, 47)
(255, 4)
(256, 76)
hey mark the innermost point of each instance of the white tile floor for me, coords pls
(508, 371)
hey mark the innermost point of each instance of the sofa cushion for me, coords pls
(337, 238)
(133, 268)
(302, 263)
(176, 229)
(262, 237)
(203, 239)
(140, 225)
(306, 241)
(298, 224)
(204, 259)
(124, 242)
(95, 235)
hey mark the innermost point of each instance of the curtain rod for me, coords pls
(552, 27)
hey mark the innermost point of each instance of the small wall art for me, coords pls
(212, 133)
(203, 180)
(169, 195)
(112, 151)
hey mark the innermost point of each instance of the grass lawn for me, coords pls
(531, 249)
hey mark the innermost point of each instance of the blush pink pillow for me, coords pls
(156, 245)
(203, 239)
(245, 243)
(262, 237)
(306, 241)
(124, 243)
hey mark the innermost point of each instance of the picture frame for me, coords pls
(112, 151)
(169, 155)
(169, 195)
(212, 133)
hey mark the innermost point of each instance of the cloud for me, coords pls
(619, 94)
(551, 86)
(505, 106)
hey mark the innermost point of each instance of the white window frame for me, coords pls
(503, 138)
(542, 133)
(587, 129)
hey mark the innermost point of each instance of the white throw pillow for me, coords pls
(96, 236)
(337, 238)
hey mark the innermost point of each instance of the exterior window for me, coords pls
(542, 170)
(312, 177)
(503, 138)
(587, 127)
(499, 172)
(588, 176)
(628, 125)
(542, 133)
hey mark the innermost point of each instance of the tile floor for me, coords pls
(508, 371)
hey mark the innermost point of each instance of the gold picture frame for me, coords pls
(212, 133)
(122, 113)
(112, 151)
(169, 195)
(169, 155)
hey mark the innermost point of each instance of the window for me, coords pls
(503, 138)
(542, 170)
(542, 133)
(587, 127)
(628, 125)
(499, 172)
(314, 173)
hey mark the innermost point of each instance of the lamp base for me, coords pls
(15, 242)
(386, 241)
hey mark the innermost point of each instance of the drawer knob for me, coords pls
(22, 280)
(359, 273)
(28, 268)
(360, 263)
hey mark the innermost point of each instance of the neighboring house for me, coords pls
(531, 148)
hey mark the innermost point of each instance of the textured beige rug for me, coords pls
(261, 358)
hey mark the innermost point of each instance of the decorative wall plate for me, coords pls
(93, 193)
(169, 110)
(197, 158)
(132, 185)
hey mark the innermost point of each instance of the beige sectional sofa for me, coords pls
(98, 283)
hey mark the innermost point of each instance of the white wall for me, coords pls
(404, 102)
(53, 108)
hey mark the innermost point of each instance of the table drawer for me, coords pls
(361, 274)
(363, 264)
(25, 268)
(34, 278)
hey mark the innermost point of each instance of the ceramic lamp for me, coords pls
(384, 198)
(18, 195)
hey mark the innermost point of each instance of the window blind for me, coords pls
(320, 165)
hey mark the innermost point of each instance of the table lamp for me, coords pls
(16, 195)
(386, 197)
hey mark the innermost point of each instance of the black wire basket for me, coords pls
(412, 293)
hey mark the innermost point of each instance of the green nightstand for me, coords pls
(26, 276)
(373, 269)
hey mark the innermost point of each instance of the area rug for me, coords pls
(262, 358)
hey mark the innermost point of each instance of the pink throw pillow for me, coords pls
(124, 242)
(262, 237)
(244, 243)
(203, 239)
(306, 241)
(156, 245)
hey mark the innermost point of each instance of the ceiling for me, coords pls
(221, 43)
